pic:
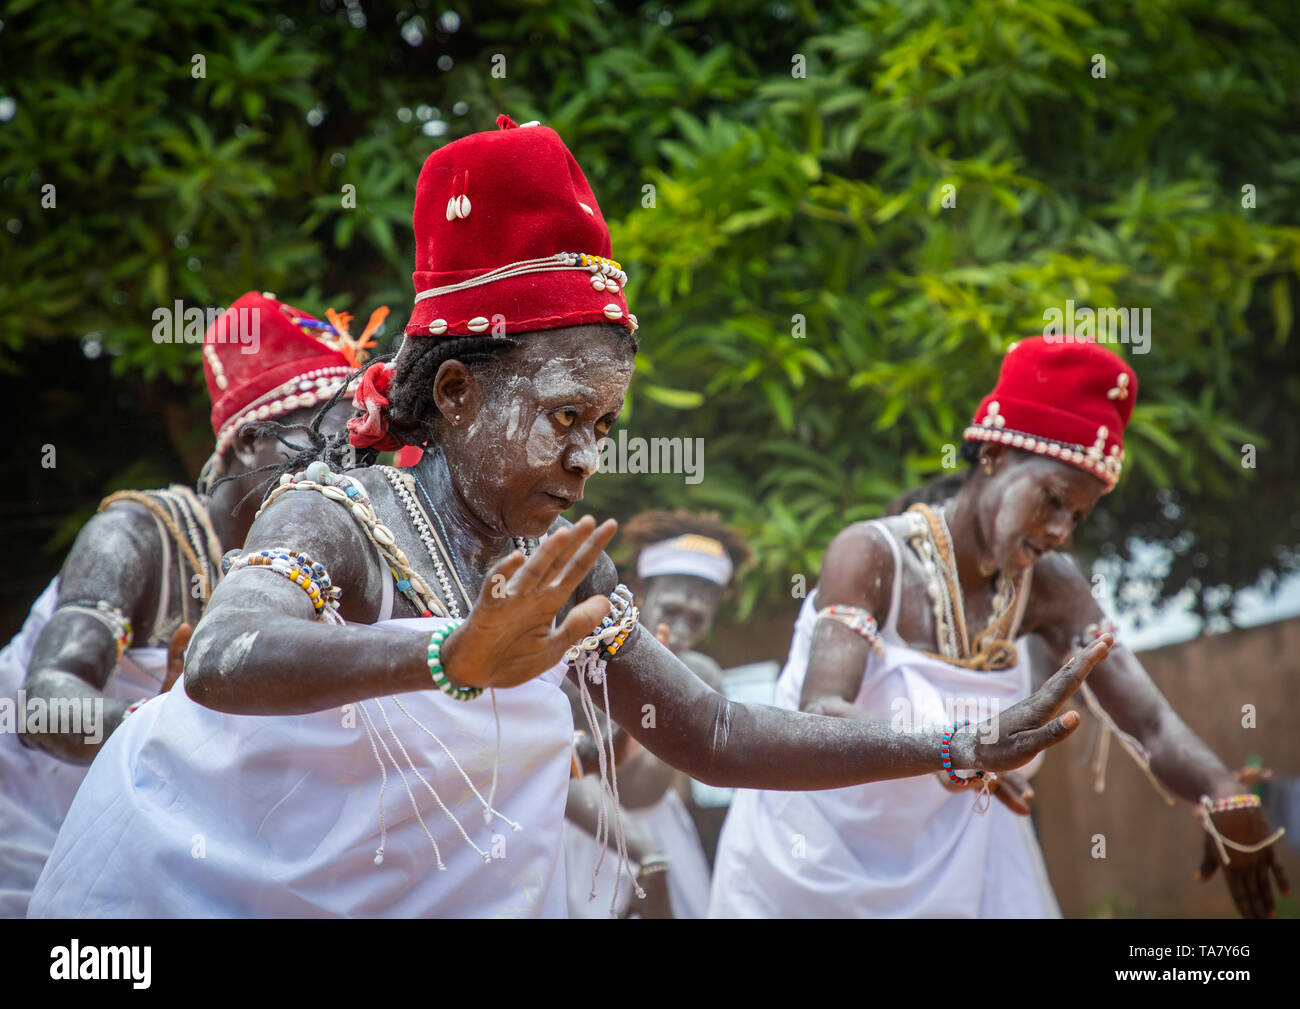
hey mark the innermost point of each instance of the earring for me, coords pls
(457, 418)
(988, 465)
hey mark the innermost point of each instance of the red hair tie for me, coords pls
(371, 429)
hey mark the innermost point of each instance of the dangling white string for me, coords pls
(587, 663)
(986, 793)
(410, 795)
(496, 764)
(590, 665)
(625, 863)
(436, 798)
(1131, 746)
(488, 810)
(383, 784)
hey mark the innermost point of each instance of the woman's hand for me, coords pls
(1011, 738)
(1248, 872)
(508, 638)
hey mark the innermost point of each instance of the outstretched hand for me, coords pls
(1247, 873)
(1011, 738)
(509, 638)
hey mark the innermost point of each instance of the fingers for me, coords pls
(1237, 887)
(1209, 863)
(1280, 875)
(579, 622)
(493, 590)
(558, 546)
(1055, 731)
(176, 656)
(1065, 681)
(582, 561)
(1261, 889)
(1014, 792)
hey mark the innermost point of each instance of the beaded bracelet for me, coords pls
(945, 753)
(1234, 802)
(653, 864)
(117, 622)
(435, 665)
(300, 569)
(1092, 632)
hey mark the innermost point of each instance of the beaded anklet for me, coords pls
(117, 622)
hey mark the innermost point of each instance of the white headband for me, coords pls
(686, 555)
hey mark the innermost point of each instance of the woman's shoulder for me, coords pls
(858, 569)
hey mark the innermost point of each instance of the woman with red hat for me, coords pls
(97, 641)
(377, 617)
(915, 618)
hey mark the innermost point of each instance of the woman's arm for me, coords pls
(259, 650)
(115, 559)
(858, 571)
(720, 742)
(1061, 608)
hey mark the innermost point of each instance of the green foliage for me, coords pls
(778, 202)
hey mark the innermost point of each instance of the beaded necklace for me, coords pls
(991, 649)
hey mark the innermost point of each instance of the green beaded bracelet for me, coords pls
(435, 665)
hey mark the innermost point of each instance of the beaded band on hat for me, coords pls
(606, 275)
(1106, 468)
(298, 393)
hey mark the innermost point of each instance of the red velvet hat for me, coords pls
(263, 358)
(507, 231)
(1062, 397)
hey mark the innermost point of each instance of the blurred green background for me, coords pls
(774, 196)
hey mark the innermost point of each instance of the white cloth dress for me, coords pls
(190, 812)
(36, 788)
(903, 848)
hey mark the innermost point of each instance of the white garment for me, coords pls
(668, 824)
(190, 812)
(36, 788)
(902, 848)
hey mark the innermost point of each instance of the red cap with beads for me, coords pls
(1062, 397)
(264, 358)
(509, 238)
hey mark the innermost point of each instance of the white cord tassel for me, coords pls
(436, 798)
(1134, 749)
(410, 795)
(488, 811)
